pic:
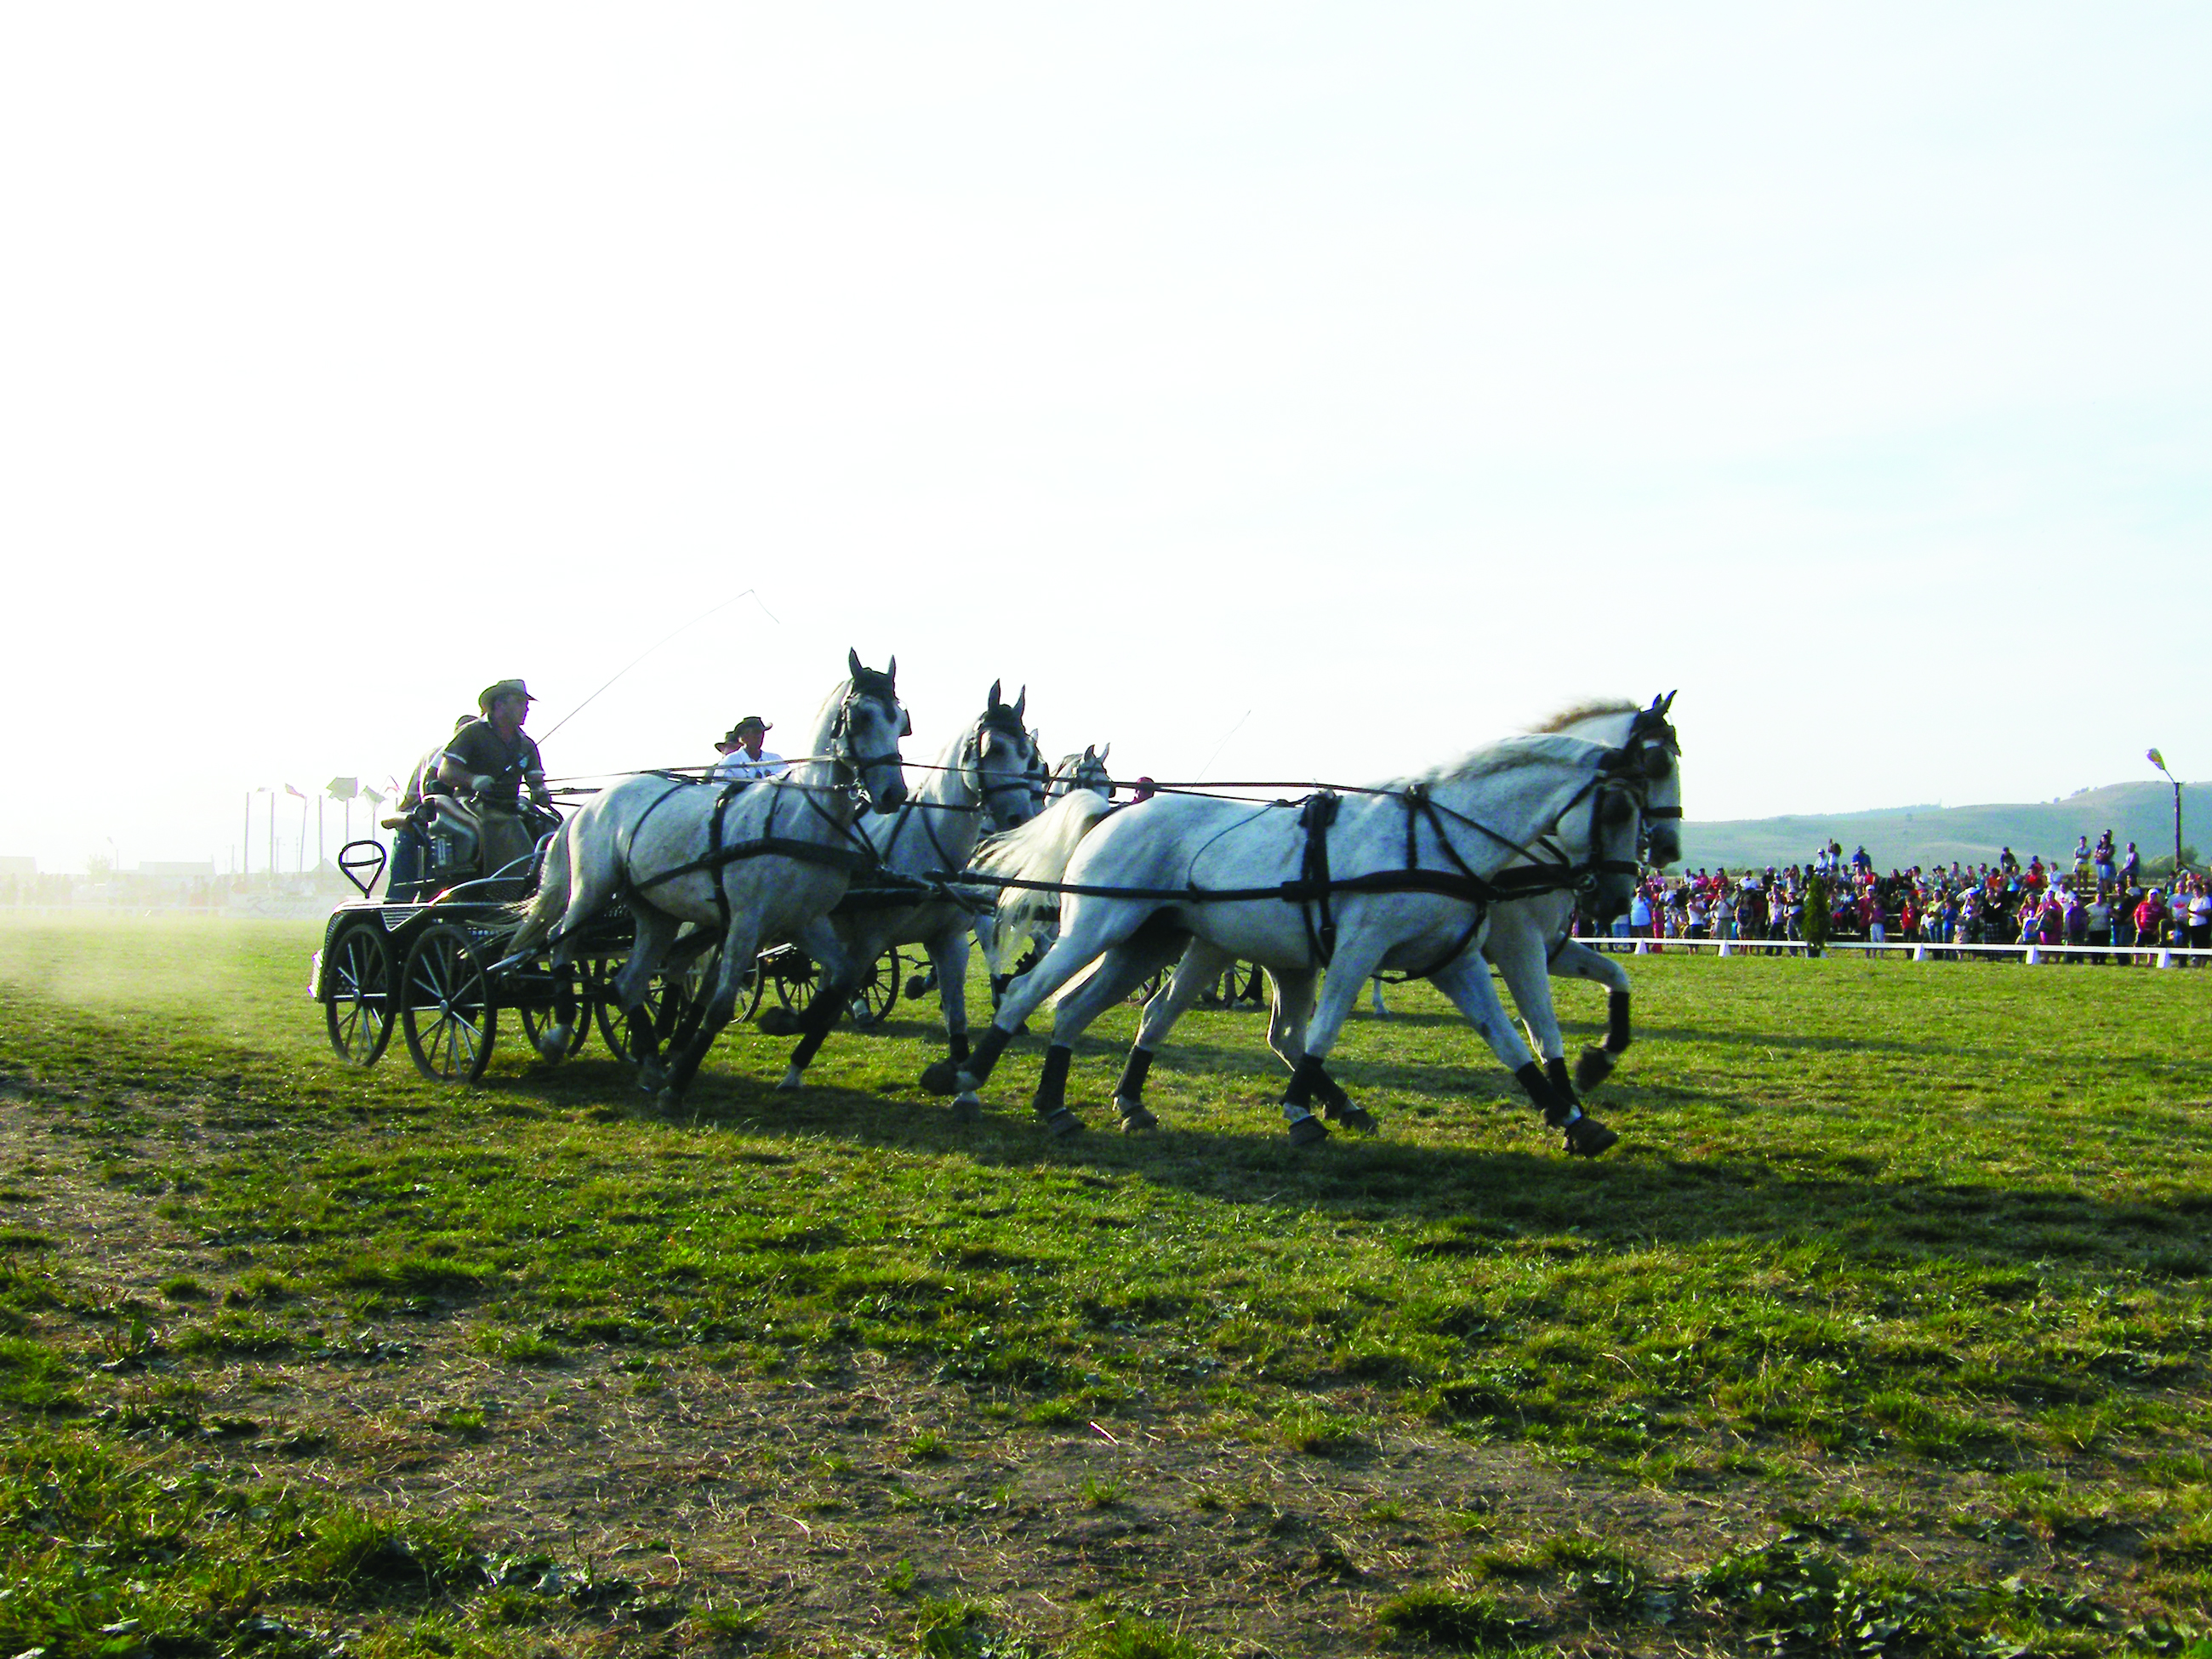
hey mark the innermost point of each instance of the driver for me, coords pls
(491, 759)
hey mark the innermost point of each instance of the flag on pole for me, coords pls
(373, 797)
(342, 788)
(294, 793)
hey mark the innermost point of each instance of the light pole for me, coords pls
(2159, 761)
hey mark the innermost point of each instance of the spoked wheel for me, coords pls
(796, 978)
(357, 995)
(878, 990)
(668, 997)
(1149, 987)
(446, 1006)
(536, 1019)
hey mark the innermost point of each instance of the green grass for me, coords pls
(1920, 1222)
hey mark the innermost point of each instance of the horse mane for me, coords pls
(1589, 709)
(1507, 755)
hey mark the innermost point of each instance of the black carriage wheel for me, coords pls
(1149, 987)
(536, 1019)
(446, 1006)
(358, 994)
(666, 997)
(1255, 988)
(797, 979)
(879, 989)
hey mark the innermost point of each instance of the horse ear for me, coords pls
(1666, 702)
(1089, 753)
(1102, 753)
(1022, 702)
(853, 661)
(992, 701)
(891, 672)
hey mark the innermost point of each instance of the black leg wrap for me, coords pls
(1592, 1069)
(959, 1045)
(1134, 1072)
(1616, 1021)
(942, 1077)
(1538, 1087)
(1555, 1074)
(1309, 1076)
(1051, 1094)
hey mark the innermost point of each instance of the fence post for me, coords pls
(1919, 952)
(2034, 956)
(2164, 957)
(1642, 948)
(1724, 947)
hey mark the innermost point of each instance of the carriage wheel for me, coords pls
(536, 1019)
(446, 1006)
(879, 989)
(357, 995)
(796, 978)
(668, 997)
(1149, 987)
(1256, 983)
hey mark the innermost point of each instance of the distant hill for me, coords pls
(1898, 837)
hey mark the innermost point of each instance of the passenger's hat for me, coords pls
(736, 734)
(498, 688)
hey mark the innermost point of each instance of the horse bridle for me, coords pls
(841, 737)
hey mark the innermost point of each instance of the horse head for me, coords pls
(1003, 756)
(865, 742)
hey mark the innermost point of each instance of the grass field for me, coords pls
(1883, 1331)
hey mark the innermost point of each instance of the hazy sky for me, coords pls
(1392, 374)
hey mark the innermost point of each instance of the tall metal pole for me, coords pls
(246, 841)
(272, 837)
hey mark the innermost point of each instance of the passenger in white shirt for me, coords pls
(743, 757)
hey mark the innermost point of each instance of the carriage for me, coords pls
(430, 961)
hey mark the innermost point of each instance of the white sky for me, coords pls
(1392, 374)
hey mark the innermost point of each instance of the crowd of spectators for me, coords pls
(2098, 900)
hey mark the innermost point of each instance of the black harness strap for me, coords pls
(1319, 915)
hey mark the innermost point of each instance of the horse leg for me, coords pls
(837, 966)
(656, 933)
(1467, 982)
(832, 989)
(1516, 946)
(1202, 963)
(1357, 959)
(1575, 960)
(716, 1010)
(1286, 1029)
(1118, 972)
(1091, 928)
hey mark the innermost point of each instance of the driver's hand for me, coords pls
(482, 783)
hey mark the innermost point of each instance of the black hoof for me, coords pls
(777, 1022)
(915, 987)
(1588, 1138)
(1135, 1118)
(1306, 1131)
(1063, 1123)
(942, 1077)
(1357, 1118)
(1592, 1069)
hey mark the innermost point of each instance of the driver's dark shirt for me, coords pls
(479, 748)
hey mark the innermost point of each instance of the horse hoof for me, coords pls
(942, 1077)
(792, 1079)
(1134, 1118)
(553, 1043)
(967, 1109)
(1307, 1131)
(777, 1022)
(1593, 1066)
(1588, 1138)
(1353, 1117)
(650, 1079)
(1063, 1123)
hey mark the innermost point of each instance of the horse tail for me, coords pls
(1038, 851)
(544, 908)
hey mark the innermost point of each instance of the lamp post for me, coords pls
(2159, 761)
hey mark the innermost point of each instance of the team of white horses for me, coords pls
(1481, 861)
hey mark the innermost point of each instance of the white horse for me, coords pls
(755, 863)
(1085, 771)
(1527, 939)
(984, 773)
(1398, 876)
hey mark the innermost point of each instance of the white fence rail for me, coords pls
(2142, 955)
